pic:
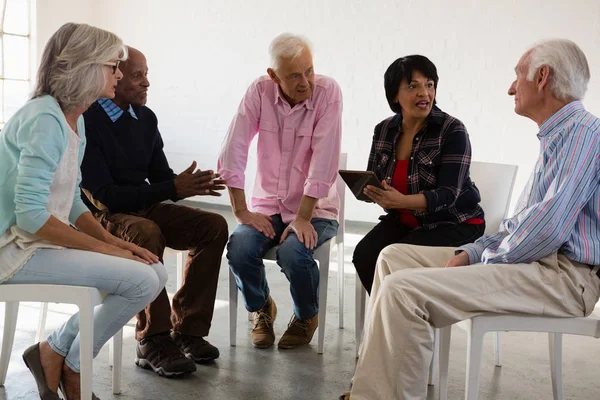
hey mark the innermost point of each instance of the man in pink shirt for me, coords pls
(294, 203)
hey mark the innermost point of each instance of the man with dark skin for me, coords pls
(125, 179)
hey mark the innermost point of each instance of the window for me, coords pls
(15, 56)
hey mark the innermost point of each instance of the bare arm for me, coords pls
(92, 237)
(260, 222)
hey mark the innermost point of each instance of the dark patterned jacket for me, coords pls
(438, 167)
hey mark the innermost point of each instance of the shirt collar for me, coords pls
(308, 103)
(559, 118)
(113, 111)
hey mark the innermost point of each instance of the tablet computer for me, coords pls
(357, 180)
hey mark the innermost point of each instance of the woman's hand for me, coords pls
(133, 251)
(388, 197)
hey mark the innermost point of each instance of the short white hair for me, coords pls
(570, 70)
(72, 70)
(287, 46)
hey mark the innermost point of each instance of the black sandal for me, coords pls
(32, 360)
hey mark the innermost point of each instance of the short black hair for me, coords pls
(404, 69)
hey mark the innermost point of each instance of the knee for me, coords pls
(364, 252)
(149, 236)
(149, 283)
(220, 230)
(162, 275)
(242, 247)
(292, 253)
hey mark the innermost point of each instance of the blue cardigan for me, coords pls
(32, 144)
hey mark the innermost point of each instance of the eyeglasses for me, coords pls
(114, 66)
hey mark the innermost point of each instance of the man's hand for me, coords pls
(304, 230)
(260, 222)
(387, 198)
(459, 260)
(134, 250)
(192, 182)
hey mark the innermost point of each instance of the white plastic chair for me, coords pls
(86, 299)
(495, 183)
(321, 256)
(478, 326)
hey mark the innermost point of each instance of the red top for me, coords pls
(400, 183)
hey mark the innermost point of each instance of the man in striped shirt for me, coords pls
(543, 261)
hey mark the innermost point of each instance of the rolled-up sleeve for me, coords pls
(453, 170)
(234, 153)
(42, 146)
(325, 145)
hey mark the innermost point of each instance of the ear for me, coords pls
(543, 77)
(273, 75)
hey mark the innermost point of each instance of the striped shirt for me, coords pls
(559, 209)
(114, 111)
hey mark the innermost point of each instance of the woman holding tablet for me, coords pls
(422, 157)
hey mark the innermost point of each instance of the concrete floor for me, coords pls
(243, 372)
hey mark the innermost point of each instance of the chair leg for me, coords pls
(117, 361)
(11, 312)
(323, 260)
(180, 255)
(86, 340)
(233, 307)
(42, 322)
(474, 349)
(360, 297)
(340, 254)
(555, 347)
(444, 359)
(433, 367)
(498, 348)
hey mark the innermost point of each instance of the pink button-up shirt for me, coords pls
(298, 148)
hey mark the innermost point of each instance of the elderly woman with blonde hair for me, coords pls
(41, 148)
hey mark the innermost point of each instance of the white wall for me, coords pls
(203, 55)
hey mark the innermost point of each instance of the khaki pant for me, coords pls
(408, 301)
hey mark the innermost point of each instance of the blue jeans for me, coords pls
(129, 285)
(245, 252)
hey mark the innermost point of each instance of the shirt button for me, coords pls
(408, 177)
(411, 158)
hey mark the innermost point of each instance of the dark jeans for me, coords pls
(391, 231)
(245, 252)
(204, 235)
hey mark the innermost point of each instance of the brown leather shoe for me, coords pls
(345, 396)
(263, 335)
(298, 332)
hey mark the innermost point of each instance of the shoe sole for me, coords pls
(201, 360)
(290, 347)
(263, 346)
(145, 364)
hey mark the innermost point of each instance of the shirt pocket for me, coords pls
(304, 131)
(428, 158)
(267, 126)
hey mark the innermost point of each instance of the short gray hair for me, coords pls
(289, 46)
(570, 70)
(71, 69)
